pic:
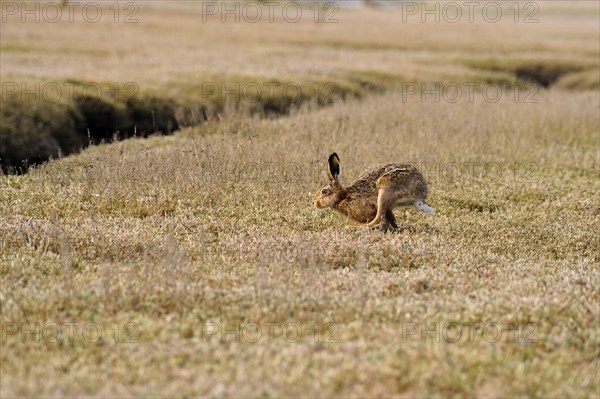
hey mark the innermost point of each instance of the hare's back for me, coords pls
(405, 179)
(396, 173)
(375, 172)
(367, 181)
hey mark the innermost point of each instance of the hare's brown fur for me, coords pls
(372, 198)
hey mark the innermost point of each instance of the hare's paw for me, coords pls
(383, 226)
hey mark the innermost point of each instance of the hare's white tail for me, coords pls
(423, 207)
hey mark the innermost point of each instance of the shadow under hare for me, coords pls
(372, 198)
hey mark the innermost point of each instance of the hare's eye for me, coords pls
(325, 191)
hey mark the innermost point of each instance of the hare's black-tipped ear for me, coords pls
(334, 166)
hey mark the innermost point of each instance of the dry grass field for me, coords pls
(194, 265)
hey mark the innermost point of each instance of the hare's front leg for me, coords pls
(391, 219)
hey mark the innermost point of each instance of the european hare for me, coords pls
(374, 195)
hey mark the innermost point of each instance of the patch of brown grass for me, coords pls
(214, 227)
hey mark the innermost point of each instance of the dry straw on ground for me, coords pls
(215, 225)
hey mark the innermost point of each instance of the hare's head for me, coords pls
(330, 194)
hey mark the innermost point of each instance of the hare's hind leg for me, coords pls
(385, 201)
